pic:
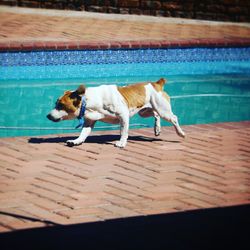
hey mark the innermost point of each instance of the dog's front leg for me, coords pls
(86, 130)
(124, 122)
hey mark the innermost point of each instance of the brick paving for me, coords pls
(45, 183)
(27, 29)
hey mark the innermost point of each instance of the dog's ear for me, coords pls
(67, 92)
(81, 90)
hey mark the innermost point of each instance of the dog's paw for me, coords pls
(157, 132)
(72, 143)
(182, 134)
(120, 144)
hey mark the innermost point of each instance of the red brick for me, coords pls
(50, 45)
(88, 45)
(155, 44)
(185, 43)
(64, 46)
(27, 225)
(104, 45)
(27, 46)
(115, 45)
(120, 211)
(83, 203)
(197, 203)
(71, 45)
(4, 46)
(125, 44)
(174, 43)
(81, 212)
(166, 192)
(45, 193)
(151, 211)
(15, 46)
(135, 44)
(202, 189)
(131, 172)
(165, 44)
(12, 160)
(39, 46)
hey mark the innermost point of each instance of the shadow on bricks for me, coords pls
(28, 218)
(100, 139)
(216, 228)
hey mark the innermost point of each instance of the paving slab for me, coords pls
(44, 182)
(30, 29)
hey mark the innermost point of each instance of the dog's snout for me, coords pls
(51, 118)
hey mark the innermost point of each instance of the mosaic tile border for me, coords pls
(125, 56)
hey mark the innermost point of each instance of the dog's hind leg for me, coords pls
(148, 112)
(174, 120)
(86, 130)
(163, 108)
(157, 125)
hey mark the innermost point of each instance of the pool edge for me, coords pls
(130, 44)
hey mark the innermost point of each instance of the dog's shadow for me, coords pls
(100, 139)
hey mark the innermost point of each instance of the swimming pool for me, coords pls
(206, 85)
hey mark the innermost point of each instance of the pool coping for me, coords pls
(146, 44)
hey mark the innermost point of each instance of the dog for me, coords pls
(115, 105)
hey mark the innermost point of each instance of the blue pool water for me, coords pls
(206, 85)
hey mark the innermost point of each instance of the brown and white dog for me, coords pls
(113, 104)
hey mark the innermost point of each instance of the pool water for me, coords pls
(201, 92)
(194, 99)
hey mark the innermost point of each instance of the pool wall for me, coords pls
(159, 55)
(103, 64)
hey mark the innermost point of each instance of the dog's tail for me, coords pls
(161, 83)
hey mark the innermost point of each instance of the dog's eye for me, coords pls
(59, 106)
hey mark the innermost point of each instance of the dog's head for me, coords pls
(67, 106)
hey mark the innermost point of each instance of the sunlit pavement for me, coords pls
(26, 29)
(45, 183)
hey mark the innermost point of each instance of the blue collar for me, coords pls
(81, 114)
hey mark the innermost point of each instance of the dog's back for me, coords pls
(135, 95)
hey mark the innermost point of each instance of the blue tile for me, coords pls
(45, 58)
